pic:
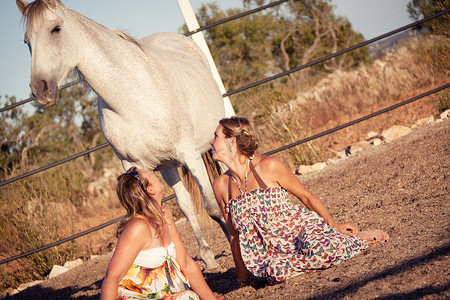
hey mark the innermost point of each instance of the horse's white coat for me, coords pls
(158, 104)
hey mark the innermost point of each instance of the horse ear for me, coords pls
(21, 5)
(51, 3)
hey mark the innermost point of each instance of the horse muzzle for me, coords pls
(46, 92)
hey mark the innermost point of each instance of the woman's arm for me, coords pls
(287, 179)
(131, 241)
(220, 188)
(188, 265)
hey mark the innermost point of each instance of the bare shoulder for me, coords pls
(137, 227)
(271, 170)
(221, 181)
(268, 163)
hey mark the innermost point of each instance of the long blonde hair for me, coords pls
(131, 190)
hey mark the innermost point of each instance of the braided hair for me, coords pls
(240, 128)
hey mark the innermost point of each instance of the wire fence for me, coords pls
(295, 69)
(238, 90)
(267, 153)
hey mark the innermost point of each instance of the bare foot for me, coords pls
(374, 237)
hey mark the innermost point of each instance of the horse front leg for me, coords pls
(198, 170)
(184, 201)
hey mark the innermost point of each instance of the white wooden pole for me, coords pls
(199, 39)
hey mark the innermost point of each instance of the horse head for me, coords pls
(52, 47)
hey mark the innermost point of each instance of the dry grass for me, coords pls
(415, 65)
(61, 201)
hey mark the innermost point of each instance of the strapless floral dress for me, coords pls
(279, 240)
(156, 274)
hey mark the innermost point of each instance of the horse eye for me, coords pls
(56, 29)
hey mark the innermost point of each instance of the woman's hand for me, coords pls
(346, 228)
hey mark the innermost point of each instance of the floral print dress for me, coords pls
(279, 240)
(156, 274)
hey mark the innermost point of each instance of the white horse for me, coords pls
(158, 103)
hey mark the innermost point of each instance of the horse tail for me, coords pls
(214, 170)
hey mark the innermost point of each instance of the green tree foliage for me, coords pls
(38, 136)
(419, 9)
(36, 210)
(276, 40)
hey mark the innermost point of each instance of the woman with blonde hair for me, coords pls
(150, 260)
(270, 237)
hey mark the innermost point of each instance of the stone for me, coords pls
(423, 121)
(395, 132)
(343, 153)
(24, 286)
(371, 135)
(306, 169)
(57, 270)
(376, 141)
(445, 115)
(358, 146)
(72, 264)
(302, 169)
(331, 161)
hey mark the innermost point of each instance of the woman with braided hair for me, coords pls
(270, 237)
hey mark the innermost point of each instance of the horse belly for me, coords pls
(196, 95)
(137, 144)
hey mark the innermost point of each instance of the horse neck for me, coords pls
(108, 62)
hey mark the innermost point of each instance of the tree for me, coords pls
(278, 39)
(419, 9)
(45, 135)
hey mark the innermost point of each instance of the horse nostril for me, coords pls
(44, 86)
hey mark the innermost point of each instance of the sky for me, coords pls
(143, 17)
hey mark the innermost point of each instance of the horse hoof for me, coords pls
(211, 265)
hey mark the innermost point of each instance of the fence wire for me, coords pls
(445, 86)
(238, 90)
(277, 75)
(227, 94)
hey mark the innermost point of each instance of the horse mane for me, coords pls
(34, 12)
(128, 38)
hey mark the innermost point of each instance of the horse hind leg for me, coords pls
(184, 201)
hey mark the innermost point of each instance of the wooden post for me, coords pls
(199, 39)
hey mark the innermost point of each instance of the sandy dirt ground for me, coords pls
(401, 187)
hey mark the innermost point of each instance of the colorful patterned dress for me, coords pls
(156, 274)
(279, 240)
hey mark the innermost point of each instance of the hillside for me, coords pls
(401, 187)
(412, 69)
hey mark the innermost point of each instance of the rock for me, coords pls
(331, 161)
(343, 153)
(72, 264)
(302, 169)
(445, 115)
(395, 132)
(376, 142)
(371, 134)
(423, 121)
(306, 169)
(24, 286)
(358, 146)
(57, 270)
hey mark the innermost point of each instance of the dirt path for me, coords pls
(401, 187)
